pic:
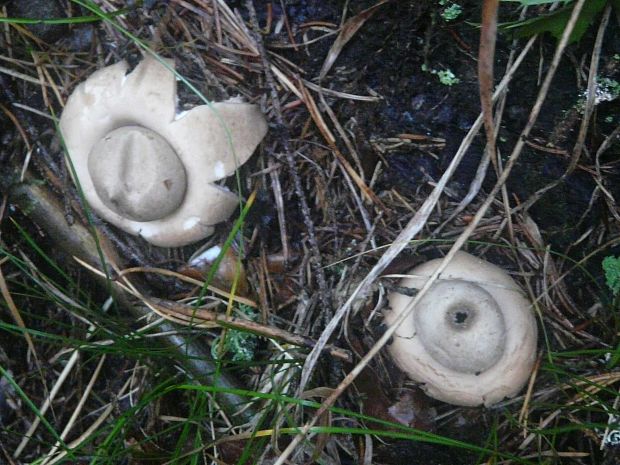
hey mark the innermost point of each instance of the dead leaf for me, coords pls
(230, 266)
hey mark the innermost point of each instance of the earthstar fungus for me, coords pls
(471, 340)
(147, 169)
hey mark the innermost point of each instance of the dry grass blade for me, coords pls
(76, 413)
(346, 34)
(188, 279)
(22, 76)
(92, 428)
(18, 125)
(47, 403)
(342, 95)
(313, 109)
(276, 188)
(8, 299)
(591, 92)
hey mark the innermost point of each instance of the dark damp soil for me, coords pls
(397, 54)
(390, 54)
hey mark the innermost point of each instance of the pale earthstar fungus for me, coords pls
(471, 340)
(148, 169)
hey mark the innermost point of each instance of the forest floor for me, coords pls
(370, 106)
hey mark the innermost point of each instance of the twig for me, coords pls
(488, 33)
(199, 315)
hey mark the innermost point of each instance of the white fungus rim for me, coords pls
(512, 369)
(110, 98)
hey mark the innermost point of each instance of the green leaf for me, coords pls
(555, 22)
(611, 266)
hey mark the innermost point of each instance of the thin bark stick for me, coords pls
(199, 315)
(488, 33)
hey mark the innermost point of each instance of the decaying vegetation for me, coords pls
(271, 349)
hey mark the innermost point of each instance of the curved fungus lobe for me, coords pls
(147, 169)
(471, 340)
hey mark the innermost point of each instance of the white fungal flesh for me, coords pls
(207, 256)
(147, 230)
(191, 222)
(112, 99)
(180, 115)
(219, 169)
